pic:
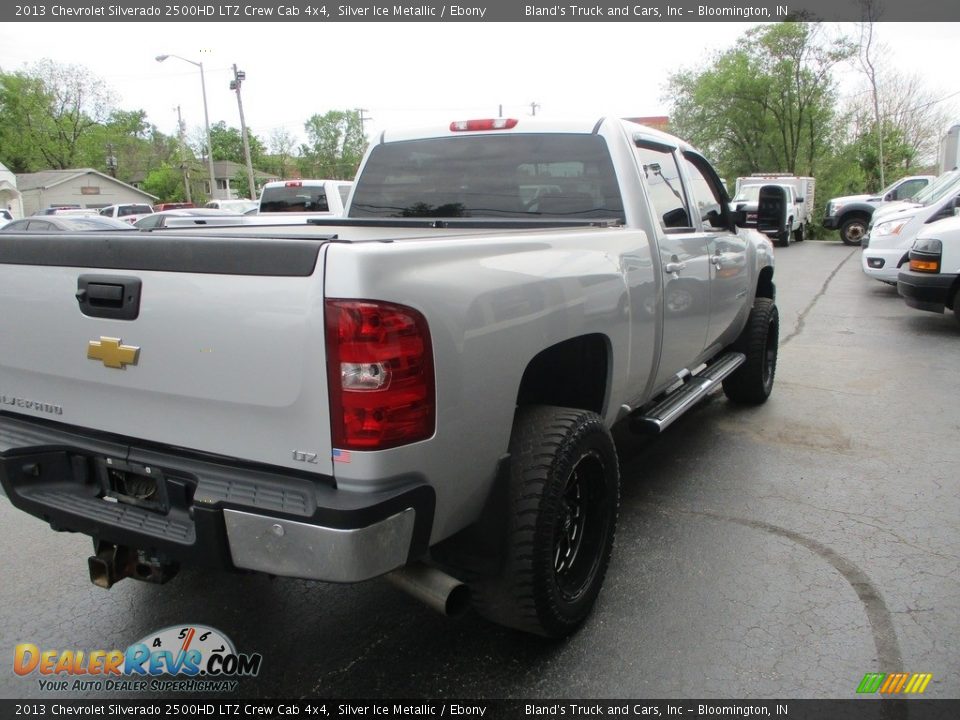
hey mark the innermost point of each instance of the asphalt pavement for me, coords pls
(773, 552)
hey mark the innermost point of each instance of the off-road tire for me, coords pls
(564, 494)
(752, 382)
(853, 230)
(798, 234)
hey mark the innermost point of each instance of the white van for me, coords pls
(887, 245)
(931, 282)
(305, 196)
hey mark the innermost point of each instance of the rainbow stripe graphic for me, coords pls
(894, 683)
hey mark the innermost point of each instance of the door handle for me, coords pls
(109, 296)
(717, 261)
(674, 267)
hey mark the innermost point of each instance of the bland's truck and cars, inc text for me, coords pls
(423, 388)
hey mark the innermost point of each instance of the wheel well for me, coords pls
(854, 215)
(572, 374)
(954, 295)
(765, 287)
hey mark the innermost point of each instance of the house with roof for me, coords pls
(9, 194)
(80, 188)
(225, 172)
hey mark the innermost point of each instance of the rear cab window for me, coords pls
(563, 176)
(294, 197)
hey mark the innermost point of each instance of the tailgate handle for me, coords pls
(109, 296)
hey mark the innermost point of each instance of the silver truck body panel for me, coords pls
(232, 365)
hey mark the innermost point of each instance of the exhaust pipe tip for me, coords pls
(440, 591)
(100, 572)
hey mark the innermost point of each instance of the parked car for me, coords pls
(305, 196)
(130, 212)
(851, 214)
(172, 206)
(66, 224)
(889, 237)
(186, 217)
(931, 281)
(69, 210)
(238, 207)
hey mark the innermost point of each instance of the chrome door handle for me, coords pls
(717, 261)
(674, 267)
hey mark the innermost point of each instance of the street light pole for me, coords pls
(206, 119)
(184, 168)
(238, 77)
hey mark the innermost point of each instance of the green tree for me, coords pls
(336, 145)
(768, 104)
(166, 182)
(228, 144)
(47, 111)
(23, 115)
(283, 148)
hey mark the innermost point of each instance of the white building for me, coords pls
(82, 188)
(9, 195)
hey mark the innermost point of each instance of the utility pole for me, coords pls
(533, 108)
(238, 77)
(363, 121)
(111, 160)
(184, 167)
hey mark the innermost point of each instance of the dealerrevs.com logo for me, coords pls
(189, 658)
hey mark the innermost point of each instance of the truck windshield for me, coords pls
(938, 188)
(514, 176)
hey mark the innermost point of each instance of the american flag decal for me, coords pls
(341, 456)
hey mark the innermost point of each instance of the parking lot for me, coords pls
(773, 552)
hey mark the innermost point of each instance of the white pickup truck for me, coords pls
(424, 388)
(304, 196)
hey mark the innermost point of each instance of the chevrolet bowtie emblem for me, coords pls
(112, 353)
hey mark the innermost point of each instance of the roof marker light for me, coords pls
(485, 124)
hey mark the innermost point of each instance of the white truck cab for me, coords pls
(305, 196)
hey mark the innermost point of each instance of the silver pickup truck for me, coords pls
(423, 388)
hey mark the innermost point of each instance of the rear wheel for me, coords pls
(798, 233)
(752, 382)
(564, 497)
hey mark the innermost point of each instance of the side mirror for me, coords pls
(714, 218)
(799, 200)
(739, 215)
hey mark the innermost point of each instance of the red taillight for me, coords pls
(487, 124)
(380, 375)
(293, 183)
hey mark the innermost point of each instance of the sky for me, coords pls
(408, 74)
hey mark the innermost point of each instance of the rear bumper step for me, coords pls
(663, 414)
(203, 512)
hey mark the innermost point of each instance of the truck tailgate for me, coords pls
(225, 353)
